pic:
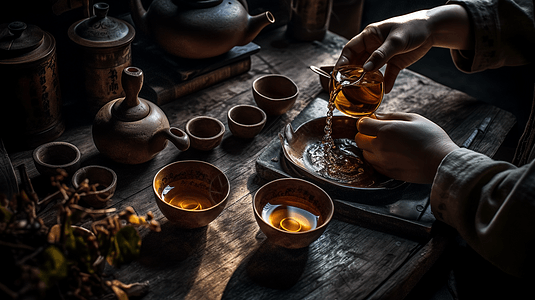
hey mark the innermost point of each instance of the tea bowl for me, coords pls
(191, 193)
(246, 121)
(105, 180)
(205, 133)
(51, 156)
(310, 210)
(275, 94)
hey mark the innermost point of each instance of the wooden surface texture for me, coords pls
(230, 258)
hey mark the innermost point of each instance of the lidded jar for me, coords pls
(103, 43)
(31, 106)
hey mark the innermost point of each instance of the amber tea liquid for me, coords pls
(357, 100)
(289, 214)
(188, 194)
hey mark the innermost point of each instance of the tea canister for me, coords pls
(103, 43)
(310, 19)
(31, 105)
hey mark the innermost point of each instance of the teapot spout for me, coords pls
(256, 24)
(138, 13)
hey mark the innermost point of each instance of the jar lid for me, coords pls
(100, 29)
(17, 38)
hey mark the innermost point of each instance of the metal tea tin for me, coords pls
(104, 45)
(30, 96)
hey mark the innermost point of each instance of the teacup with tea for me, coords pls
(191, 193)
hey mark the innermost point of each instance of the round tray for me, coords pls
(296, 145)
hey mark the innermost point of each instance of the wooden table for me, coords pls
(230, 258)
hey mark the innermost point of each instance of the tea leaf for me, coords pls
(125, 246)
(54, 267)
(5, 214)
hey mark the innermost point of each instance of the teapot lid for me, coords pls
(17, 38)
(202, 3)
(101, 30)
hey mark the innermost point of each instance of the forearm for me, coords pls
(492, 205)
(450, 27)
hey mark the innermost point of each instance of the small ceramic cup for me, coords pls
(246, 121)
(105, 180)
(292, 212)
(275, 94)
(56, 155)
(191, 193)
(205, 133)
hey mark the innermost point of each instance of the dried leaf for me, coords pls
(54, 267)
(125, 246)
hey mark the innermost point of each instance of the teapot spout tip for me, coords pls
(256, 24)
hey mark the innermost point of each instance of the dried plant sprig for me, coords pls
(68, 257)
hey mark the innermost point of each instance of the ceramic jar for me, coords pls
(104, 48)
(310, 19)
(31, 109)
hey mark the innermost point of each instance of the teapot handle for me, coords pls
(178, 137)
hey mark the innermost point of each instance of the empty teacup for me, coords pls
(56, 155)
(104, 181)
(205, 133)
(246, 121)
(191, 193)
(292, 212)
(275, 94)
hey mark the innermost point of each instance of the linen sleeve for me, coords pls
(492, 206)
(504, 34)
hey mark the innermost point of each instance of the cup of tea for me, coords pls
(360, 99)
(292, 212)
(191, 193)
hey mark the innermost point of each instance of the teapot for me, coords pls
(132, 130)
(198, 28)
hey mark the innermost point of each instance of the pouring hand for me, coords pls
(403, 40)
(403, 146)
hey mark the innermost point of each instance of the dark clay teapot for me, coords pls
(133, 130)
(198, 28)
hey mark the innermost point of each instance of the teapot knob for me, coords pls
(131, 108)
(16, 28)
(101, 9)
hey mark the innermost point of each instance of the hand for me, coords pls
(401, 41)
(403, 146)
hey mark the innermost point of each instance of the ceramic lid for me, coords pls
(17, 38)
(101, 30)
(22, 43)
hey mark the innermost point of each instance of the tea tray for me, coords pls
(404, 211)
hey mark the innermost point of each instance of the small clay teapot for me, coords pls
(132, 130)
(198, 28)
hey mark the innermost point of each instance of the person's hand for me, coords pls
(403, 146)
(401, 41)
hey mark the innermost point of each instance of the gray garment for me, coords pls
(490, 203)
